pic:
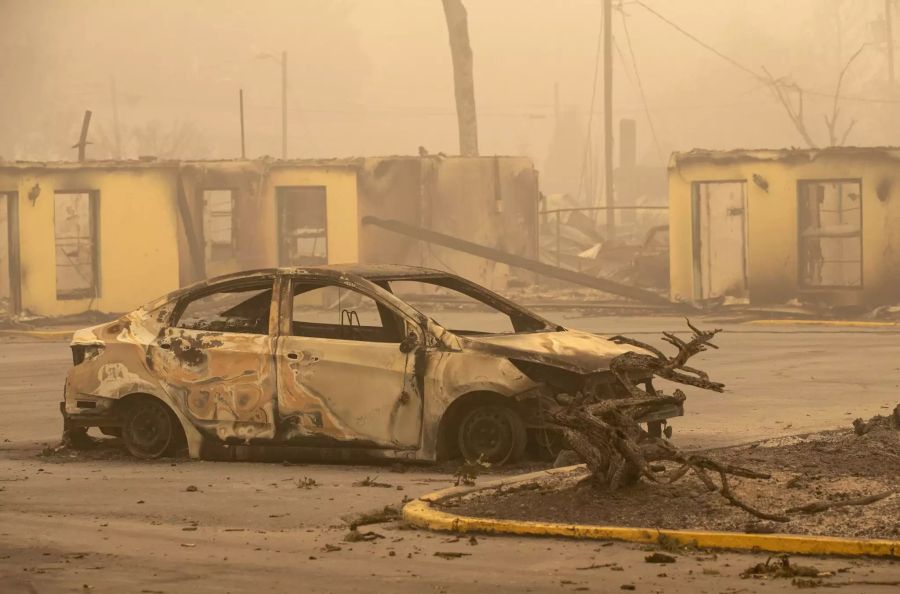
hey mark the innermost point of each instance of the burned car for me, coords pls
(333, 362)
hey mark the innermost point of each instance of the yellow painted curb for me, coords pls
(41, 334)
(421, 513)
(845, 323)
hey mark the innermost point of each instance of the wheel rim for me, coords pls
(487, 434)
(149, 431)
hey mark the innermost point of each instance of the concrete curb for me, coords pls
(40, 334)
(839, 323)
(420, 512)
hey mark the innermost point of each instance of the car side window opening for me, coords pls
(322, 310)
(240, 309)
(463, 309)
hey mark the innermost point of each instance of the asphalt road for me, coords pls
(105, 523)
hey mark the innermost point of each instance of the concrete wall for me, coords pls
(772, 224)
(491, 201)
(150, 214)
(138, 245)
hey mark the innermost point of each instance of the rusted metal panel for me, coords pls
(225, 382)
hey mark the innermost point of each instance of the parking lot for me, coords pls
(99, 521)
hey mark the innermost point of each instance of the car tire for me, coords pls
(493, 434)
(150, 429)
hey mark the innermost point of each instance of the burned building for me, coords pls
(110, 235)
(770, 226)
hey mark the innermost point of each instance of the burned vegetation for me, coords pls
(606, 431)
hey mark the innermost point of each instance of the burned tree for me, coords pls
(463, 79)
(604, 432)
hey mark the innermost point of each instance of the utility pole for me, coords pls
(284, 105)
(241, 107)
(463, 79)
(889, 33)
(82, 143)
(607, 121)
(117, 138)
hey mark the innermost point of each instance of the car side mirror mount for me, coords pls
(410, 343)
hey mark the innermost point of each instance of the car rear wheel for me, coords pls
(149, 430)
(492, 433)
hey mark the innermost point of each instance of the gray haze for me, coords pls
(374, 77)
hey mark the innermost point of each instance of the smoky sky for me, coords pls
(373, 77)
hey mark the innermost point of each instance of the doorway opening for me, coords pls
(10, 278)
(719, 224)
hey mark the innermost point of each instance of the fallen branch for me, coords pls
(602, 428)
(727, 494)
(820, 506)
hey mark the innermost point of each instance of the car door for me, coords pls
(342, 376)
(216, 359)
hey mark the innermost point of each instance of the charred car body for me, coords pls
(333, 361)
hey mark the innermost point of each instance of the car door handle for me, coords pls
(293, 356)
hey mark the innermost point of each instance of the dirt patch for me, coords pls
(830, 466)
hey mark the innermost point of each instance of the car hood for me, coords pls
(572, 350)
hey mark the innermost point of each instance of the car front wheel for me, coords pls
(149, 430)
(492, 433)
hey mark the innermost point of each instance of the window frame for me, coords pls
(94, 224)
(802, 192)
(221, 287)
(405, 322)
(282, 197)
(207, 242)
(501, 304)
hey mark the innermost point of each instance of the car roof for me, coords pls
(370, 272)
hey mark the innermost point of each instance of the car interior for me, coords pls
(242, 309)
(323, 310)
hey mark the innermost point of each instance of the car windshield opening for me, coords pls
(465, 309)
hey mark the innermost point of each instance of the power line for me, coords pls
(752, 72)
(698, 41)
(640, 86)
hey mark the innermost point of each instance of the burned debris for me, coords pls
(603, 427)
(606, 434)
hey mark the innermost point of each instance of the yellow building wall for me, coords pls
(341, 207)
(137, 244)
(772, 240)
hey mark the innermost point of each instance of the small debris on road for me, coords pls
(780, 567)
(306, 483)
(659, 558)
(356, 536)
(388, 513)
(372, 482)
(450, 554)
